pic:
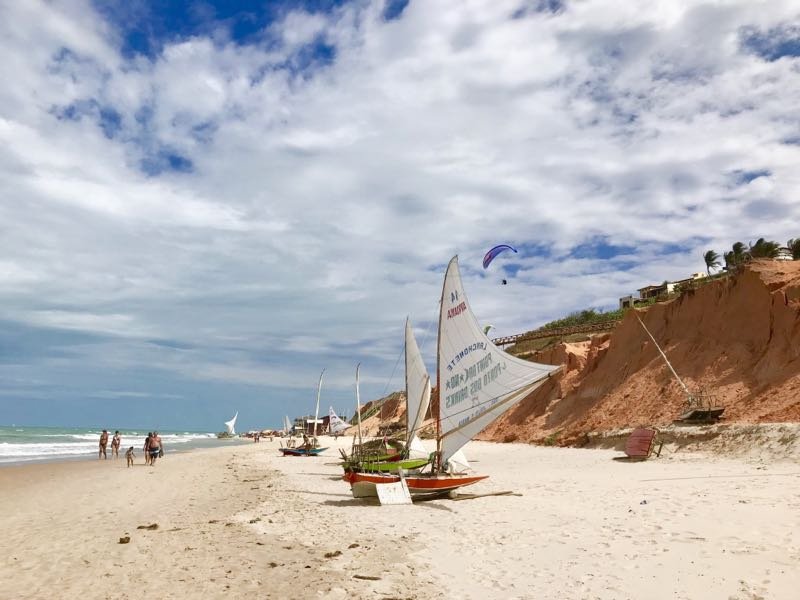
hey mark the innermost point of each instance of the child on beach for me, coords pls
(129, 456)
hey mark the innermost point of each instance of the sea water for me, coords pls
(22, 444)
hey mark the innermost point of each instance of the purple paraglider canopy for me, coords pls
(491, 254)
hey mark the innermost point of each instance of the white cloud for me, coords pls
(320, 207)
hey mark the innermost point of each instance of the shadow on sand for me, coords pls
(317, 493)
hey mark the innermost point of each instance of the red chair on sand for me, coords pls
(640, 444)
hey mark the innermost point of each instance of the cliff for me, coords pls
(736, 338)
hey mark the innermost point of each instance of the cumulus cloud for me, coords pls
(266, 206)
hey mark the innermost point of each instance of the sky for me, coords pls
(205, 203)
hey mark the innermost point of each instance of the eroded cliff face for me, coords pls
(737, 338)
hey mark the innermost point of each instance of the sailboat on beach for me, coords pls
(477, 383)
(413, 455)
(335, 424)
(311, 448)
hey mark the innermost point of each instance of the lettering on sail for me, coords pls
(456, 310)
(471, 380)
(464, 353)
(470, 372)
(456, 397)
(477, 413)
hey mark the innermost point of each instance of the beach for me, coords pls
(243, 522)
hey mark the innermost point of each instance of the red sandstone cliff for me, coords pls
(737, 338)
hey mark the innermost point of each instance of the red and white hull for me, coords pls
(363, 484)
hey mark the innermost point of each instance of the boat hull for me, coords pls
(364, 484)
(300, 451)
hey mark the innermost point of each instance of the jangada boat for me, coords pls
(307, 450)
(412, 455)
(477, 382)
(301, 451)
(335, 425)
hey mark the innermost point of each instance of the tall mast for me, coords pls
(316, 411)
(439, 377)
(358, 404)
(408, 406)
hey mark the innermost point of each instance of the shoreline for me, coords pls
(179, 448)
(241, 520)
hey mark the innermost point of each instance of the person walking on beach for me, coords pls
(115, 442)
(103, 444)
(129, 456)
(155, 448)
(146, 448)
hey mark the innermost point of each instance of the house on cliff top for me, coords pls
(653, 292)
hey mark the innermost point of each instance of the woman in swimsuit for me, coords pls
(146, 448)
(115, 441)
(103, 442)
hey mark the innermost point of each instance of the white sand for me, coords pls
(680, 526)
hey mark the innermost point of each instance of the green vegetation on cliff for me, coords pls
(583, 317)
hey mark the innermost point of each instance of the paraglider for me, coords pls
(492, 254)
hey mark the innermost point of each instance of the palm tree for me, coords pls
(739, 253)
(794, 248)
(764, 249)
(712, 261)
(730, 260)
(736, 256)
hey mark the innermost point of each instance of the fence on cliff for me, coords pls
(558, 332)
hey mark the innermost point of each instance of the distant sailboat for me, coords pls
(477, 383)
(308, 450)
(287, 427)
(335, 424)
(230, 425)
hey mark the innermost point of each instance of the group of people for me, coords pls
(153, 448)
(115, 442)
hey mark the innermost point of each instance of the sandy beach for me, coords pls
(243, 522)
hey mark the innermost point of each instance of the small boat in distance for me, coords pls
(230, 430)
(301, 451)
(335, 425)
(230, 426)
(310, 448)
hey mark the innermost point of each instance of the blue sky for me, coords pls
(203, 204)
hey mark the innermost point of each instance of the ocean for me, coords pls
(22, 444)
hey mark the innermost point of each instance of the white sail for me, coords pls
(477, 381)
(418, 386)
(287, 426)
(458, 463)
(416, 449)
(316, 410)
(335, 424)
(229, 425)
